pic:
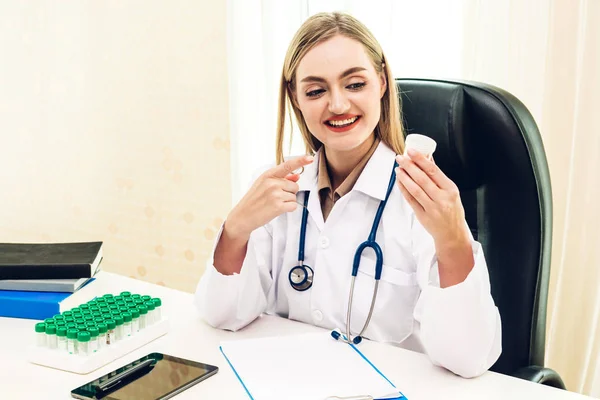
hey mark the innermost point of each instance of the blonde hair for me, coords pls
(319, 28)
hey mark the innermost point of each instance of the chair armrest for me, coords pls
(537, 374)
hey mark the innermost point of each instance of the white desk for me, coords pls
(190, 337)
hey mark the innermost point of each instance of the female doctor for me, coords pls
(289, 247)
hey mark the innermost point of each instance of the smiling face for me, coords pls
(338, 92)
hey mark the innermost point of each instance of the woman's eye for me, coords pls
(314, 93)
(356, 86)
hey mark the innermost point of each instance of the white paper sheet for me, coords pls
(306, 367)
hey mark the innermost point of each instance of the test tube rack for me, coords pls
(85, 364)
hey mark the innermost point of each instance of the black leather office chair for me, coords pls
(489, 145)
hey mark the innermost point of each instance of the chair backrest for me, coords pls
(489, 145)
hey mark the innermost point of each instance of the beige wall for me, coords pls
(114, 127)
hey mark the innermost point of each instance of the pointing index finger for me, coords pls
(288, 167)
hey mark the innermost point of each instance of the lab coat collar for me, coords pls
(373, 180)
(308, 182)
(375, 177)
(308, 178)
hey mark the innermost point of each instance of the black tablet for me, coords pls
(153, 377)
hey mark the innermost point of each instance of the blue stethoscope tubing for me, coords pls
(301, 276)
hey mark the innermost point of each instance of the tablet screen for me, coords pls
(156, 376)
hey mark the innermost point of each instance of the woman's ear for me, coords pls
(383, 82)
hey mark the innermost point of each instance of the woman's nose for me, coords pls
(338, 102)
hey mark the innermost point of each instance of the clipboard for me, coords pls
(306, 367)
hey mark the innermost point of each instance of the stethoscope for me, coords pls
(301, 276)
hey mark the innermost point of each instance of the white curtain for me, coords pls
(258, 34)
(545, 52)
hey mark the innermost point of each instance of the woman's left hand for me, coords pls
(435, 200)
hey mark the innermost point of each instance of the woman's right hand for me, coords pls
(272, 194)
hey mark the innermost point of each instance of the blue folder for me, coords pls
(32, 305)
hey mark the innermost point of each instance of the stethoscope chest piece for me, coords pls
(301, 277)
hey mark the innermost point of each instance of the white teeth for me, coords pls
(342, 122)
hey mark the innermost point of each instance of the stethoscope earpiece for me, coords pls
(336, 334)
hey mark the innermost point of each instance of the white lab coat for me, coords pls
(457, 327)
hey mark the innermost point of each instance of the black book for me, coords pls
(49, 260)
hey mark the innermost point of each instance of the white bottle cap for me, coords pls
(423, 144)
